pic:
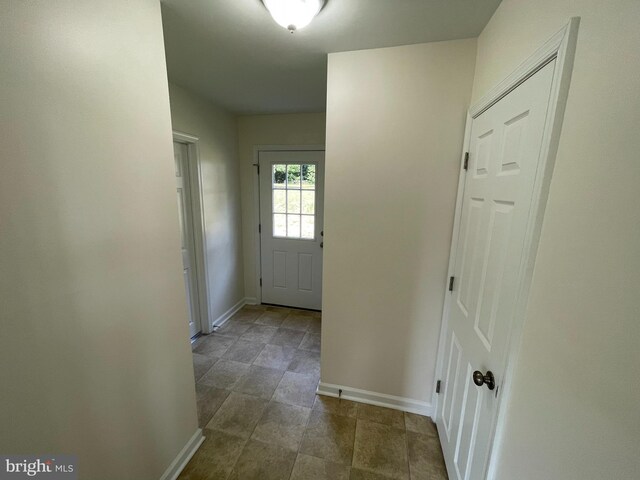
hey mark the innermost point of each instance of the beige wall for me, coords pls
(574, 411)
(94, 345)
(395, 123)
(218, 142)
(286, 129)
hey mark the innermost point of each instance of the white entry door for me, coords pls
(185, 216)
(504, 155)
(291, 215)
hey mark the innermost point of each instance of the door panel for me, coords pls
(279, 269)
(305, 272)
(187, 246)
(291, 219)
(503, 160)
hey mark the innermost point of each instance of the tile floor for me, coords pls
(256, 379)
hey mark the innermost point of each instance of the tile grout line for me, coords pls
(355, 432)
(406, 442)
(261, 415)
(297, 452)
(306, 425)
(269, 401)
(230, 390)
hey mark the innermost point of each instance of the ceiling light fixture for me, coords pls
(293, 14)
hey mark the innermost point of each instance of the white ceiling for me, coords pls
(232, 52)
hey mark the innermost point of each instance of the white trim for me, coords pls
(560, 47)
(555, 47)
(197, 201)
(452, 254)
(175, 468)
(373, 398)
(251, 301)
(222, 319)
(256, 202)
(184, 137)
(551, 138)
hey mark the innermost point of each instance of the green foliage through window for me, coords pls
(294, 173)
(279, 174)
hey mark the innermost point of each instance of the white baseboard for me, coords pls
(183, 457)
(374, 398)
(218, 322)
(251, 301)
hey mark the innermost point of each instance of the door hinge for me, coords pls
(438, 383)
(261, 282)
(466, 160)
(451, 280)
(259, 228)
(257, 165)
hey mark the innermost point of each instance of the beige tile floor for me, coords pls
(256, 379)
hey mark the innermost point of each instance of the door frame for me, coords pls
(199, 235)
(561, 48)
(256, 204)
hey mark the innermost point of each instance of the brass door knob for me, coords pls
(484, 379)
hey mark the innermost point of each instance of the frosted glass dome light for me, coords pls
(293, 14)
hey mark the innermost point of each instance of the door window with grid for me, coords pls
(293, 200)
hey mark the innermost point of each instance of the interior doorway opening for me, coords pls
(190, 221)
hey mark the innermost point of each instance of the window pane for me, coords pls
(280, 201)
(279, 225)
(308, 176)
(279, 175)
(308, 202)
(308, 222)
(293, 176)
(293, 201)
(293, 226)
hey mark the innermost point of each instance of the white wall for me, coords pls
(218, 142)
(395, 123)
(285, 129)
(94, 345)
(574, 413)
